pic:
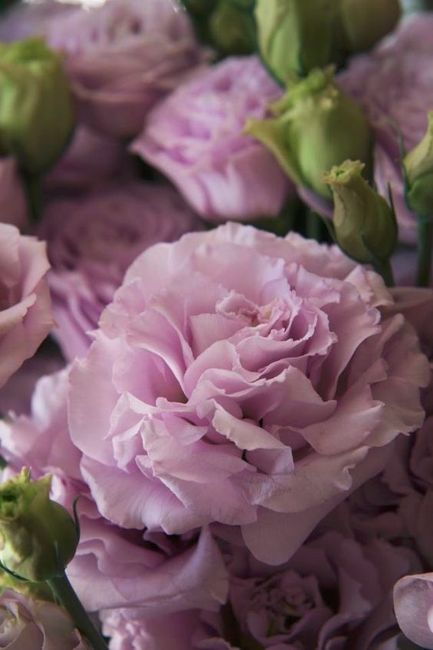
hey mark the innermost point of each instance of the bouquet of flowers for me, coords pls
(216, 308)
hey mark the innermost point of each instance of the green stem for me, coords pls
(313, 226)
(385, 269)
(65, 594)
(33, 186)
(425, 249)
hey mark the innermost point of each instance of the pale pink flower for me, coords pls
(123, 57)
(243, 379)
(196, 138)
(25, 308)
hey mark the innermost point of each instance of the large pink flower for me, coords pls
(335, 593)
(112, 567)
(122, 57)
(93, 238)
(195, 137)
(394, 86)
(28, 624)
(25, 309)
(243, 379)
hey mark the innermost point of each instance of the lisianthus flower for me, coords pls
(91, 159)
(334, 593)
(413, 603)
(25, 307)
(195, 136)
(122, 57)
(242, 379)
(92, 239)
(112, 567)
(393, 84)
(28, 624)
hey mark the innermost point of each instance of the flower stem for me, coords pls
(63, 591)
(33, 187)
(384, 268)
(425, 250)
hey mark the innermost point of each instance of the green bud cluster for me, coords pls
(296, 36)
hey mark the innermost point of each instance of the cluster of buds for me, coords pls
(296, 36)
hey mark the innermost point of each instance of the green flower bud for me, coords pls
(232, 28)
(364, 22)
(38, 537)
(296, 36)
(418, 166)
(36, 114)
(316, 126)
(364, 225)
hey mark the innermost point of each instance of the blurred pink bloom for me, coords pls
(394, 85)
(122, 57)
(113, 567)
(25, 308)
(28, 624)
(91, 241)
(242, 379)
(196, 138)
(26, 19)
(413, 603)
(13, 204)
(91, 159)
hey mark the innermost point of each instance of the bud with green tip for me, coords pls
(296, 36)
(38, 537)
(364, 224)
(418, 166)
(315, 127)
(364, 22)
(36, 112)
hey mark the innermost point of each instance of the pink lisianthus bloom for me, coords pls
(91, 159)
(25, 307)
(112, 567)
(334, 593)
(195, 137)
(393, 84)
(13, 204)
(242, 379)
(91, 241)
(413, 604)
(28, 624)
(123, 57)
(26, 19)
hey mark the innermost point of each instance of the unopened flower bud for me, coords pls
(232, 28)
(418, 165)
(38, 537)
(315, 127)
(296, 36)
(364, 224)
(364, 22)
(36, 114)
